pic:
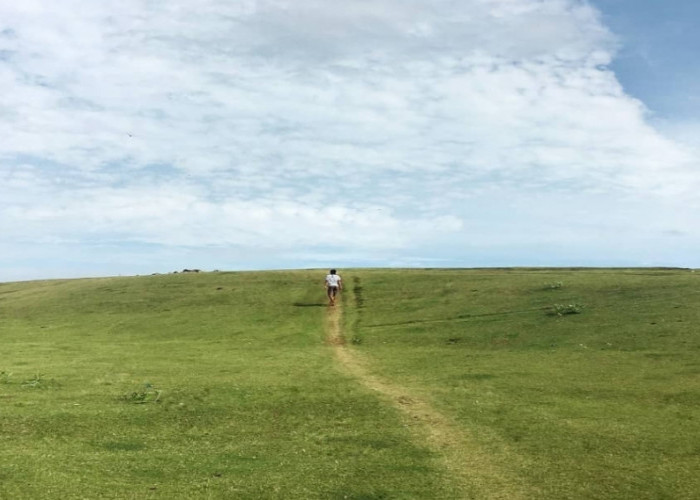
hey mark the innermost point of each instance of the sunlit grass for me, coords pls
(220, 385)
(598, 404)
(189, 386)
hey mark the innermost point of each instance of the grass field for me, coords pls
(422, 384)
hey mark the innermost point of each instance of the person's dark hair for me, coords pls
(332, 271)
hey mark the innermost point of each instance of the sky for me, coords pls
(141, 137)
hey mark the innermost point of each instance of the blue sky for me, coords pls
(142, 137)
(657, 61)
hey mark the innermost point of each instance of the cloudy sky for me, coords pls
(139, 136)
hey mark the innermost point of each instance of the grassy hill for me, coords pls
(511, 383)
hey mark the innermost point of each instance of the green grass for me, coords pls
(250, 405)
(599, 404)
(220, 385)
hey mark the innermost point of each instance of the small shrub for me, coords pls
(554, 286)
(565, 309)
(5, 377)
(145, 394)
(356, 340)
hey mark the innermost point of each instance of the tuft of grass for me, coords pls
(144, 394)
(565, 309)
(556, 285)
(38, 381)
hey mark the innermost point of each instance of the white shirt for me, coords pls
(332, 280)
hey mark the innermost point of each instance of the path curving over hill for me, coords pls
(473, 471)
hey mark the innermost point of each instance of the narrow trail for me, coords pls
(470, 466)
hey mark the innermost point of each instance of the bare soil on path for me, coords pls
(470, 467)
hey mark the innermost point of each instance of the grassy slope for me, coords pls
(251, 404)
(603, 404)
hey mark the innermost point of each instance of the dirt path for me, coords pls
(469, 465)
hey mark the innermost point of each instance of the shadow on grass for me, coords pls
(310, 304)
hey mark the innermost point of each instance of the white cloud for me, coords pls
(276, 122)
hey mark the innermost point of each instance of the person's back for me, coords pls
(334, 283)
(333, 279)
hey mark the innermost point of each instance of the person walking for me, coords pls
(334, 283)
